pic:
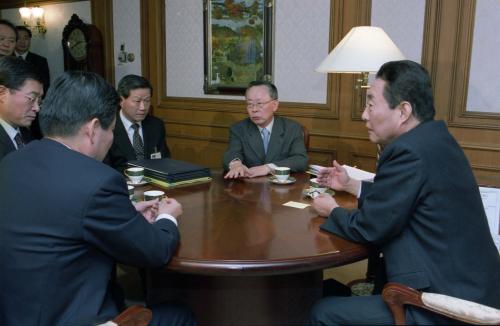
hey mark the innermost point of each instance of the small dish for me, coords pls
(286, 182)
(142, 183)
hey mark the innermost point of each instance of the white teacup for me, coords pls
(153, 194)
(317, 187)
(282, 173)
(135, 174)
(131, 192)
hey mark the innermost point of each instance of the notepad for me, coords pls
(295, 204)
(491, 203)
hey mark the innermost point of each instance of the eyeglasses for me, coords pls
(259, 105)
(31, 100)
(138, 100)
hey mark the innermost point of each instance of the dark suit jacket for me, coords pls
(6, 144)
(425, 213)
(65, 219)
(122, 151)
(41, 65)
(286, 145)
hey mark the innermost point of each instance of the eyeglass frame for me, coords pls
(38, 100)
(258, 105)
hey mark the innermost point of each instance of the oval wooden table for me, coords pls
(244, 258)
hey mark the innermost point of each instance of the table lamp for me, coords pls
(363, 50)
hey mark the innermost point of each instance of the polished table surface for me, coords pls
(232, 227)
(244, 258)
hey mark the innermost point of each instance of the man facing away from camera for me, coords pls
(66, 217)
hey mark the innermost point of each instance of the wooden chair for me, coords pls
(132, 316)
(305, 131)
(397, 295)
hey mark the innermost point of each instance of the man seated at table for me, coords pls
(263, 141)
(21, 92)
(423, 210)
(137, 134)
(66, 217)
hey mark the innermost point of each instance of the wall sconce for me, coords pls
(363, 50)
(33, 18)
(124, 56)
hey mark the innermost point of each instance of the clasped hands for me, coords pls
(335, 177)
(238, 170)
(152, 208)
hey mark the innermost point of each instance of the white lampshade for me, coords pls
(25, 12)
(37, 12)
(363, 49)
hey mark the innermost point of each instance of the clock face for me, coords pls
(77, 45)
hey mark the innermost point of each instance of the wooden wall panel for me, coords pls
(197, 129)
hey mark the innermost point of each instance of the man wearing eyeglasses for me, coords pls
(263, 141)
(137, 134)
(8, 38)
(21, 90)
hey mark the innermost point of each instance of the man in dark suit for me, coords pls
(39, 63)
(66, 217)
(137, 134)
(263, 141)
(423, 210)
(20, 97)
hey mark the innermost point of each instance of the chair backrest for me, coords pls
(305, 131)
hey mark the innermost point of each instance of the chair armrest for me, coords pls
(397, 295)
(132, 316)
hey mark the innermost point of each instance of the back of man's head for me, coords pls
(130, 82)
(75, 98)
(408, 81)
(14, 72)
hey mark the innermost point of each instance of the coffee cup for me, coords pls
(153, 194)
(135, 174)
(317, 187)
(282, 173)
(131, 192)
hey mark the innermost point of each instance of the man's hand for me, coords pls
(258, 171)
(170, 206)
(324, 204)
(335, 177)
(237, 170)
(148, 209)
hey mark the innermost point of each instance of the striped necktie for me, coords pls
(19, 140)
(265, 138)
(137, 142)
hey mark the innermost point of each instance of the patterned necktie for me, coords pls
(265, 138)
(19, 140)
(137, 142)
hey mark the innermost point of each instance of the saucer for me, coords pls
(143, 182)
(286, 182)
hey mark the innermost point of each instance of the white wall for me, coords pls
(127, 29)
(301, 43)
(56, 17)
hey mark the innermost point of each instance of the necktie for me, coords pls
(19, 140)
(137, 142)
(265, 138)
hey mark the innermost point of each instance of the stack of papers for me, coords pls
(353, 172)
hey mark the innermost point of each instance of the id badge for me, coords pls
(156, 155)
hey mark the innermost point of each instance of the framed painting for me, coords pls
(238, 42)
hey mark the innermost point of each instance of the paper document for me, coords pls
(491, 203)
(359, 174)
(295, 204)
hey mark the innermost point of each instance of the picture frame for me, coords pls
(238, 44)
